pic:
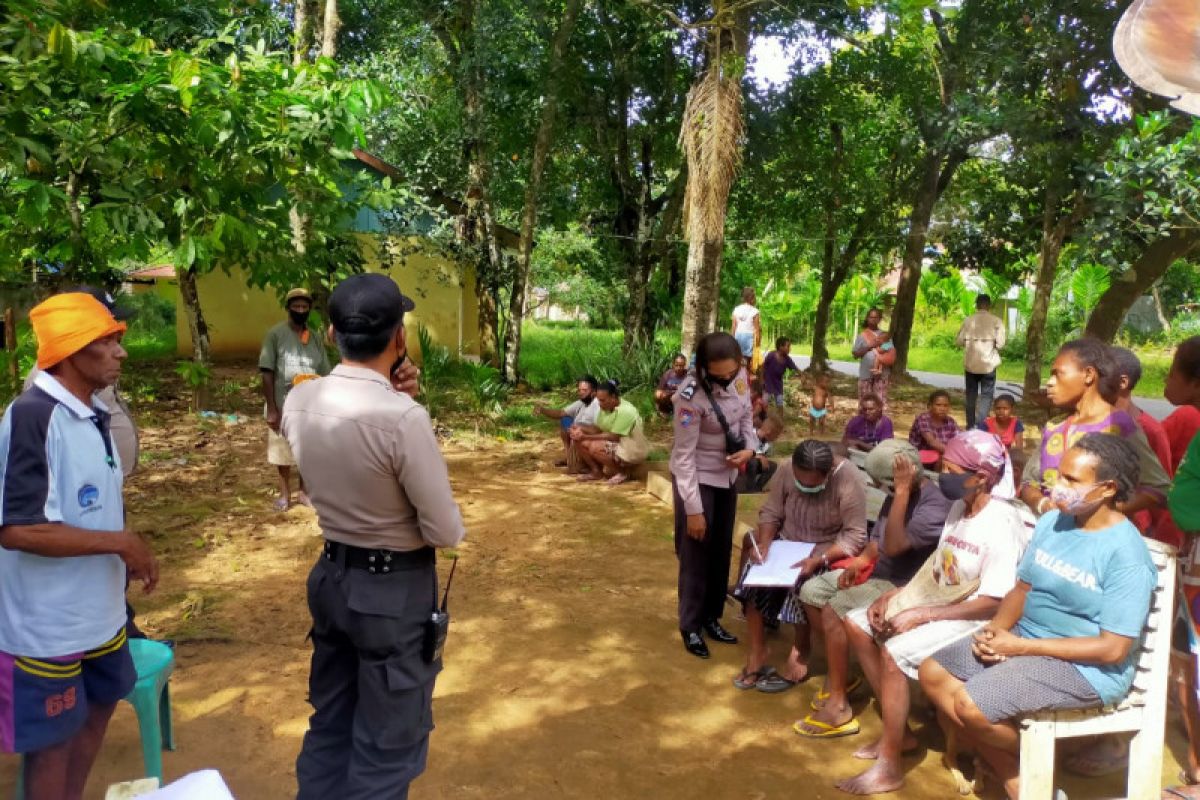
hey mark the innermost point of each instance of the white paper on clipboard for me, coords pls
(777, 571)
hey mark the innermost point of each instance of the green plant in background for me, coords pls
(1088, 283)
(488, 390)
(197, 376)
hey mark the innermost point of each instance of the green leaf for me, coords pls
(185, 254)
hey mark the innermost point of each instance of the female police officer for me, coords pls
(714, 435)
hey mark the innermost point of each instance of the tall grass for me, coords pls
(555, 357)
(552, 358)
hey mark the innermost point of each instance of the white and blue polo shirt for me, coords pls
(58, 464)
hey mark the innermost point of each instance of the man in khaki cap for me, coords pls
(291, 354)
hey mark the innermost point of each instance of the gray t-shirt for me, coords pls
(923, 523)
(288, 357)
(582, 414)
(867, 362)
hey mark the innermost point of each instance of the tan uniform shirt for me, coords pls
(698, 455)
(837, 515)
(370, 462)
(982, 335)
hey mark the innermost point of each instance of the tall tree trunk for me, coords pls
(1057, 225)
(1154, 261)
(829, 284)
(937, 170)
(198, 329)
(329, 31)
(1035, 333)
(711, 138)
(302, 31)
(1158, 309)
(820, 335)
(79, 248)
(537, 168)
(700, 292)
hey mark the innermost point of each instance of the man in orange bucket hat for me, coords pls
(65, 553)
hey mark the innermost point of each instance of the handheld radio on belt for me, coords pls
(438, 625)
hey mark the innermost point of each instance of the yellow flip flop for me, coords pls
(824, 729)
(821, 696)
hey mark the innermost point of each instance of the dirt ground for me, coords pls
(564, 672)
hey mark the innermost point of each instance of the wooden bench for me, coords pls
(1144, 711)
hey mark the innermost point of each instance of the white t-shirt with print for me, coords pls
(987, 546)
(744, 315)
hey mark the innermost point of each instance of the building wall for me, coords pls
(239, 316)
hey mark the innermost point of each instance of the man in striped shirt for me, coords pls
(64, 552)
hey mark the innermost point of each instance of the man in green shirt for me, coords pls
(291, 354)
(616, 442)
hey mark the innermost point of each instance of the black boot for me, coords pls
(719, 634)
(694, 643)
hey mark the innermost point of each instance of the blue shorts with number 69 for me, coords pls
(44, 701)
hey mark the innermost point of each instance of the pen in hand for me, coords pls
(757, 552)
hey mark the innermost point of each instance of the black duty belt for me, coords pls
(377, 561)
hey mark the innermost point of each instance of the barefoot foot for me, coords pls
(882, 777)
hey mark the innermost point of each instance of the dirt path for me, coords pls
(564, 673)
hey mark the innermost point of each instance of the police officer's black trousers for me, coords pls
(704, 565)
(371, 691)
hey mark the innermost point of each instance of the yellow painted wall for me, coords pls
(239, 316)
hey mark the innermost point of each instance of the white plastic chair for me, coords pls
(1143, 711)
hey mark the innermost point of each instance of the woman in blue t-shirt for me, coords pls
(1065, 636)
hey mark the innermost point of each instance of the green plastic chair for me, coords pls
(151, 701)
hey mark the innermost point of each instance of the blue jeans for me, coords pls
(980, 389)
(746, 342)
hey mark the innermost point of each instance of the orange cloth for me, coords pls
(66, 323)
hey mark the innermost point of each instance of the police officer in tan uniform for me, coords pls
(714, 436)
(383, 500)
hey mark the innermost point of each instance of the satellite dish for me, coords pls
(1157, 43)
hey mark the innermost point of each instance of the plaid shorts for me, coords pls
(44, 701)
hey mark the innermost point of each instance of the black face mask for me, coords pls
(587, 401)
(299, 317)
(954, 486)
(722, 382)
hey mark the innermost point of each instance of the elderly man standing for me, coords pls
(383, 500)
(291, 354)
(64, 660)
(982, 336)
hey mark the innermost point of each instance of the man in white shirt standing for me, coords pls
(747, 324)
(981, 335)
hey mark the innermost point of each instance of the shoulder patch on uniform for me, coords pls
(686, 417)
(688, 391)
(740, 385)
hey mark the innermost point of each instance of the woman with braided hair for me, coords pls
(822, 501)
(1065, 636)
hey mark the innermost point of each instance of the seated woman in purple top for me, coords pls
(870, 427)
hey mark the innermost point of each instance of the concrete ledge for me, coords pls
(658, 484)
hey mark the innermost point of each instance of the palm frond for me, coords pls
(711, 139)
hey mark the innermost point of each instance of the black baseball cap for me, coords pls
(120, 313)
(368, 303)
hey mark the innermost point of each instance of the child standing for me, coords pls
(822, 402)
(1002, 423)
(775, 367)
